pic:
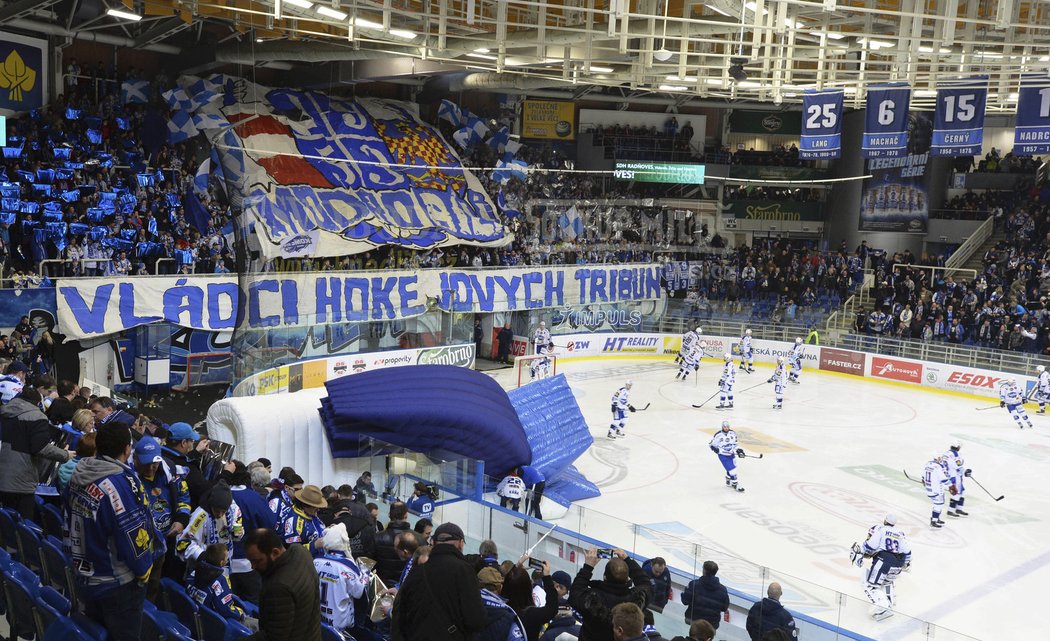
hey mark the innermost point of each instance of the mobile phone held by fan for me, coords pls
(605, 553)
(535, 564)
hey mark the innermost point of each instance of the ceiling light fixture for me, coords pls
(481, 56)
(672, 88)
(481, 50)
(403, 33)
(330, 12)
(597, 69)
(124, 15)
(302, 4)
(663, 54)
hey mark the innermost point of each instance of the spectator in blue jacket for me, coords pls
(113, 554)
(706, 598)
(169, 502)
(660, 578)
(211, 588)
(768, 615)
(255, 515)
(535, 481)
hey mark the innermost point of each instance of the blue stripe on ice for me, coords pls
(425, 408)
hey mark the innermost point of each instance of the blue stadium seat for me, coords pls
(158, 625)
(217, 628)
(328, 633)
(57, 569)
(20, 593)
(8, 519)
(175, 599)
(66, 629)
(50, 606)
(51, 520)
(28, 541)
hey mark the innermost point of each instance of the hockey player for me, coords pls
(541, 337)
(691, 360)
(1042, 388)
(796, 360)
(779, 379)
(935, 479)
(723, 444)
(620, 406)
(1011, 398)
(726, 384)
(890, 555)
(689, 340)
(746, 355)
(957, 472)
(541, 367)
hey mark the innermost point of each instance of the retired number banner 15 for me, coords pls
(958, 124)
(1032, 132)
(821, 124)
(886, 121)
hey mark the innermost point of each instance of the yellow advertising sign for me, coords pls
(548, 119)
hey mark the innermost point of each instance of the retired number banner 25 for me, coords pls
(886, 121)
(821, 125)
(1032, 132)
(958, 124)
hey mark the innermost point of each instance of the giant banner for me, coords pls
(1032, 132)
(23, 73)
(355, 173)
(100, 306)
(886, 121)
(896, 196)
(821, 124)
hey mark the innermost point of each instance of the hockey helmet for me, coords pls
(542, 324)
(798, 340)
(728, 357)
(1013, 381)
(780, 360)
(954, 445)
(628, 384)
(747, 332)
(1041, 369)
(725, 425)
(699, 330)
(939, 457)
(891, 519)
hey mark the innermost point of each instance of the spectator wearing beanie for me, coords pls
(565, 619)
(217, 520)
(624, 581)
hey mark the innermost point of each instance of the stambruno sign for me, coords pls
(100, 306)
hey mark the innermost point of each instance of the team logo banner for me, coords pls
(100, 306)
(821, 125)
(23, 73)
(1032, 132)
(363, 173)
(958, 123)
(886, 121)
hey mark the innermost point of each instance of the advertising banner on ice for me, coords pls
(99, 306)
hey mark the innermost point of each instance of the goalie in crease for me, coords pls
(541, 367)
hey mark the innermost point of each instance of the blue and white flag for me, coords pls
(958, 122)
(499, 139)
(473, 132)
(509, 210)
(570, 225)
(508, 168)
(200, 179)
(1032, 131)
(821, 124)
(177, 99)
(94, 136)
(206, 121)
(886, 121)
(180, 127)
(72, 114)
(134, 91)
(450, 111)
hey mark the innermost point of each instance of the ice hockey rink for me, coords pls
(832, 466)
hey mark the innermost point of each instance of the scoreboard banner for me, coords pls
(958, 125)
(821, 124)
(1032, 132)
(886, 121)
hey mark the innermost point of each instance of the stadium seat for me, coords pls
(217, 628)
(51, 520)
(50, 606)
(158, 625)
(175, 599)
(28, 541)
(57, 570)
(20, 593)
(66, 629)
(8, 519)
(328, 633)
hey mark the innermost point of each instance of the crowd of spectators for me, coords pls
(731, 193)
(995, 162)
(672, 142)
(91, 180)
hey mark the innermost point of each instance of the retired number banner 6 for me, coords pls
(886, 121)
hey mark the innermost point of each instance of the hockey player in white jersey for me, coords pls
(541, 367)
(890, 555)
(726, 384)
(957, 473)
(779, 380)
(723, 444)
(620, 406)
(935, 479)
(541, 338)
(691, 360)
(689, 340)
(1012, 399)
(747, 357)
(1042, 388)
(795, 357)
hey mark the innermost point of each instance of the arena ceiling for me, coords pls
(679, 49)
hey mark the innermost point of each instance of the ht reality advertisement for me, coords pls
(896, 197)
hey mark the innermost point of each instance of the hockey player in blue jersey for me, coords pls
(747, 357)
(1042, 388)
(690, 359)
(796, 360)
(723, 444)
(620, 406)
(935, 480)
(957, 473)
(1012, 399)
(779, 379)
(726, 384)
(890, 555)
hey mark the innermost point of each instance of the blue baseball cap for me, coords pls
(182, 431)
(17, 366)
(147, 451)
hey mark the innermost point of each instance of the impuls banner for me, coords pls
(100, 306)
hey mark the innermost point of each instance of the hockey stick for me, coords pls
(750, 456)
(708, 400)
(754, 387)
(908, 476)
(642, 409)
(990, 407)
(1001, 497)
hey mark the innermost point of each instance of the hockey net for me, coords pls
(526, 365)
(205, 368)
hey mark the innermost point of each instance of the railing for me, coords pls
(971, 244)
(947, 353)
(962, 271)
(959, 214)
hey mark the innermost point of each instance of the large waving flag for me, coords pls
(180, 127)
(200, 179)
(134, 91)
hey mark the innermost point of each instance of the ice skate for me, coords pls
(881, 614)
(961, 512)
(935, 523)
